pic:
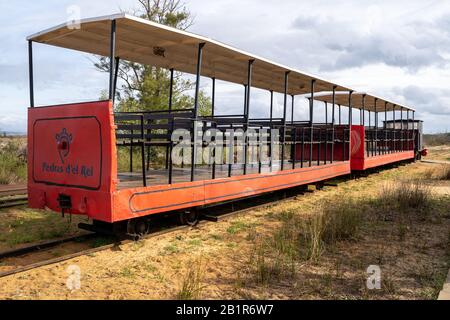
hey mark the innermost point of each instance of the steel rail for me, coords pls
(280, 197)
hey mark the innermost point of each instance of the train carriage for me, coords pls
(373, 145)
(73, 148)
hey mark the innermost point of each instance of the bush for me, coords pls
(191, 287)
(339, 220)
(13, 162)
(439, 173)
(407, 197)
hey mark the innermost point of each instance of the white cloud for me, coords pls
(398, 49)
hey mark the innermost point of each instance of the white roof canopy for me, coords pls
(146, 42)
(361, 100)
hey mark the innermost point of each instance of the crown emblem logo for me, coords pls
(64, 140)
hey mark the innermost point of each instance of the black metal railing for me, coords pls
(309, 145)
(380, 141)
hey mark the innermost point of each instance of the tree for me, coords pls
(146, 87)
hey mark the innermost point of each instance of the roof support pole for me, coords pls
(385, 128)
(363, 110)
(245, 100)
(350, 109)
(116, 77)
(376, 129)
(401, 128)
(333, 116)
(408, 132)
(340, 115)
(350, 123)
(214, 125)
(394, 129)
(283, 146)
(326, 133)
(293, 136)
(271, 106)
(311, 122)
(30, 72)
(196, 106)
(247, 112)
(171, 90)
(169, 164)
(293, 107)
(270, 133)
(213, 98)
(112, 56)
(414, 130)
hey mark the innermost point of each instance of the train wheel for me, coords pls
(138, 228)
(190, 217)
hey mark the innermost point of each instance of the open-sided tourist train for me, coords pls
(73, 148)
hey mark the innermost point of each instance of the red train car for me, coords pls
(373, 145)
(73, 149)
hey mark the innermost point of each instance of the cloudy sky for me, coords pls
(395, 49)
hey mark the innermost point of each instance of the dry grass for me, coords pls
(441, 172)
(309, 237)
(300, 239)
(191, 286)
(407, 197)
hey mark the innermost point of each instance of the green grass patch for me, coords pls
(237, 226)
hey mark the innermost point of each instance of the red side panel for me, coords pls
(358, 137)
(382, 160)
(132, 203)
(72, 153)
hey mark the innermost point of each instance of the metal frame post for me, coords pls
(311, 121)
(385, 129)
(116, 76)
(350, 117)
(247, 112)
(363, 110)
(376, 129)
(213, 113)
(333, 125)
(31, 72)
(371, 134)
(144, 171)
(213, 98)
(196, 101)
(112, 55)
(340, 115)
(326, 133)
(414, 130)
(169, 162)
(401, 130)
(394, 129)
(270, 131)
(283, 146)
(408, 133)
(294, 134)
(293, 107)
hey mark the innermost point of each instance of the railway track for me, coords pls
(222, 212)
(13, 196)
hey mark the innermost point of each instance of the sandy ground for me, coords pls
(223, 253)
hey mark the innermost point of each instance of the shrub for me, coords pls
(191, 287)
(407, 197)
(13, 162)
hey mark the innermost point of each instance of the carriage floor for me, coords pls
(159, 177)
